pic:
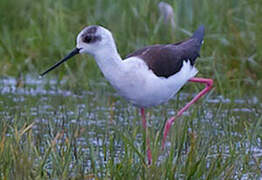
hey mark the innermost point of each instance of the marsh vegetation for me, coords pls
(72, 125)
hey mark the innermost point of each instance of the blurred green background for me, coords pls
(71, 124)
(36, 34)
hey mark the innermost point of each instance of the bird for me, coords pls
(147, 77)
(167, 13)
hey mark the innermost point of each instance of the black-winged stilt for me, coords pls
(147, 77)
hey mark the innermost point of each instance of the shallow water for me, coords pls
(97, 113)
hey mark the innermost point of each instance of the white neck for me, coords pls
(109, 62)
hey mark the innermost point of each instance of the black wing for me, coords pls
(166, 60)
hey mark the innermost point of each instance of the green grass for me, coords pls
(94, 134)
(35, 35)
(54, 137)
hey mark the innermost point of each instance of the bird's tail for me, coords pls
(199, 34)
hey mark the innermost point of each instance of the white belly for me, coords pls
(145, 93)
(143, 88)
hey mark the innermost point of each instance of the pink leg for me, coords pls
(148, 151)
(209, 83)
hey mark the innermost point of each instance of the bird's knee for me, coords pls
(209, 82)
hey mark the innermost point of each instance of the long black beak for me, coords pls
(71, 54)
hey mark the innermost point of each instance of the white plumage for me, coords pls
(131, 77)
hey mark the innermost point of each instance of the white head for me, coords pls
(91, 40)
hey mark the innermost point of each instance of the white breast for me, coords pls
(143, 88)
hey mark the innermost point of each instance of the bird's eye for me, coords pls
(88, 39)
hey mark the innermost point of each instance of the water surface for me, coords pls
(95, 115)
